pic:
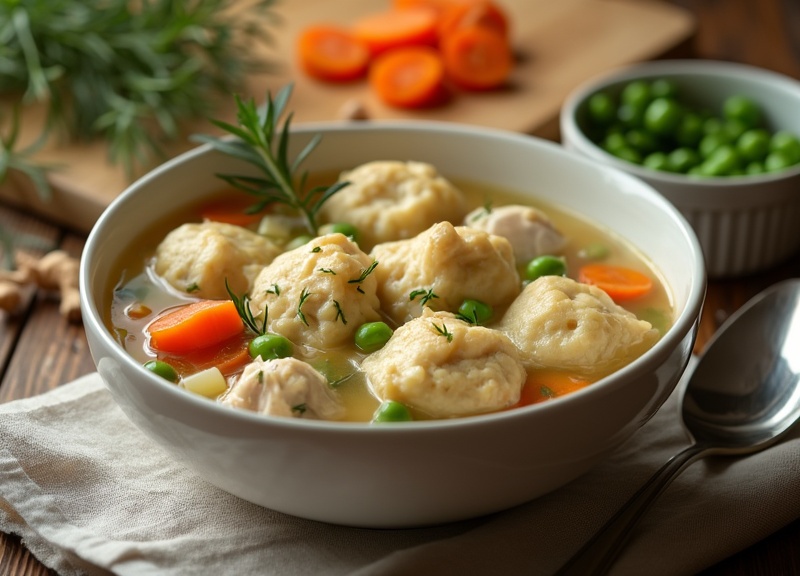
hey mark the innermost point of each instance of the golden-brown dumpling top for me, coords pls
(453, 262)
(393, 200)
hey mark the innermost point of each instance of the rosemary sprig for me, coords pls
(21, 159)
(262, 141)
(242, 305)
(129, 72)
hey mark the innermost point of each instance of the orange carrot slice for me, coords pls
(332, 54)
(467, 13)
(408, 77)
(194, 326)
(476, 58)
(229, 356)
(545, 385)
(392, 29)
(617, 281)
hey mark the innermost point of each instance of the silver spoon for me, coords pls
(743, 395)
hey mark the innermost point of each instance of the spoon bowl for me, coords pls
(743, 396)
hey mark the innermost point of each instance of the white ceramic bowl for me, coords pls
(421, 473)
(744, 224)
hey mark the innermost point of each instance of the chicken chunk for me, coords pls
(559, 323)
(446, 367)
(199, 258)
(284, 387)
(453, 262)
(392, 200)
(318, 294)
(530, 231)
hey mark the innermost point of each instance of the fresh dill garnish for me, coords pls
(327, 271)
(129, 72)
(364, 274)
(487, 209)
(274, 289)
(427, 295)
(339, 312)
(261, 140)
(547, 392)
(242, 305)
(442, 330)
(303, 297)
(316, 249)
(300, 408)
(193, 287)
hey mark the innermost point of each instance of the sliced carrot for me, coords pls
(392, 29)
(545, 385)
(408, 77)
(230, 211)
(467, 13)
(229, 356)
(332, 53)
(194, 326)
(477, 58)
(617, 281)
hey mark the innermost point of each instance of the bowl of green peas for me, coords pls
(720, 140)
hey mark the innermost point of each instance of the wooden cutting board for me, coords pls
(559, 45)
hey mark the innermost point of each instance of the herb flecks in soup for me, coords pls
(472, 307)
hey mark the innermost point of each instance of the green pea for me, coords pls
(347, 229)
(663, 88)
(545, 266)
(742, 108)
(601, 108)
(392, 411)
(682, 159)
(733, 129)
(753, 144)
(298, 241)
(270, 346)
(662, 116)
(595, 251)
(754, 168)
(161, 368)
(372, 336)
(640, 140)
(613, 142)
(637, 93)
(711, 142)
(712, 125)
(787, 143)
(722, 162)
(777, 161)
(631, 115)
(475, 311)
(689, 130)
(629, 155)
(657, 161)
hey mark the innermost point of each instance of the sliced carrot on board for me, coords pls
(467, 13)
(476, 58)
(545, 385)
(408, 77)
(392, 29)
(619, 282)
(332, 53)
(194, 326)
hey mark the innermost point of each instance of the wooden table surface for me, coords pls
(39, 350)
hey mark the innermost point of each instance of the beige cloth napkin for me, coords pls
(89, 494)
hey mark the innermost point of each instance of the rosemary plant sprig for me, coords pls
(129, 72)
(262, 141)
(242, 305)
(14, 158)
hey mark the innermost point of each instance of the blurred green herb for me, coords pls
(130, 72)
(21, 159)
(260, 140)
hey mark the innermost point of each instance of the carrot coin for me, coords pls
(408, 77)
(332, 53)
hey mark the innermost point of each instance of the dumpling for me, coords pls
(199, 258)
(318, 294)
(446, 367)
(530, 231)
(559, 323)
(392, 200)
(453, 262)
(284, 387)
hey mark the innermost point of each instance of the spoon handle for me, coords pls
(598, 554)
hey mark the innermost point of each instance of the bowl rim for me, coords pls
(683, 324)
(673, 67)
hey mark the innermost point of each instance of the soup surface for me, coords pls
(515, 323)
